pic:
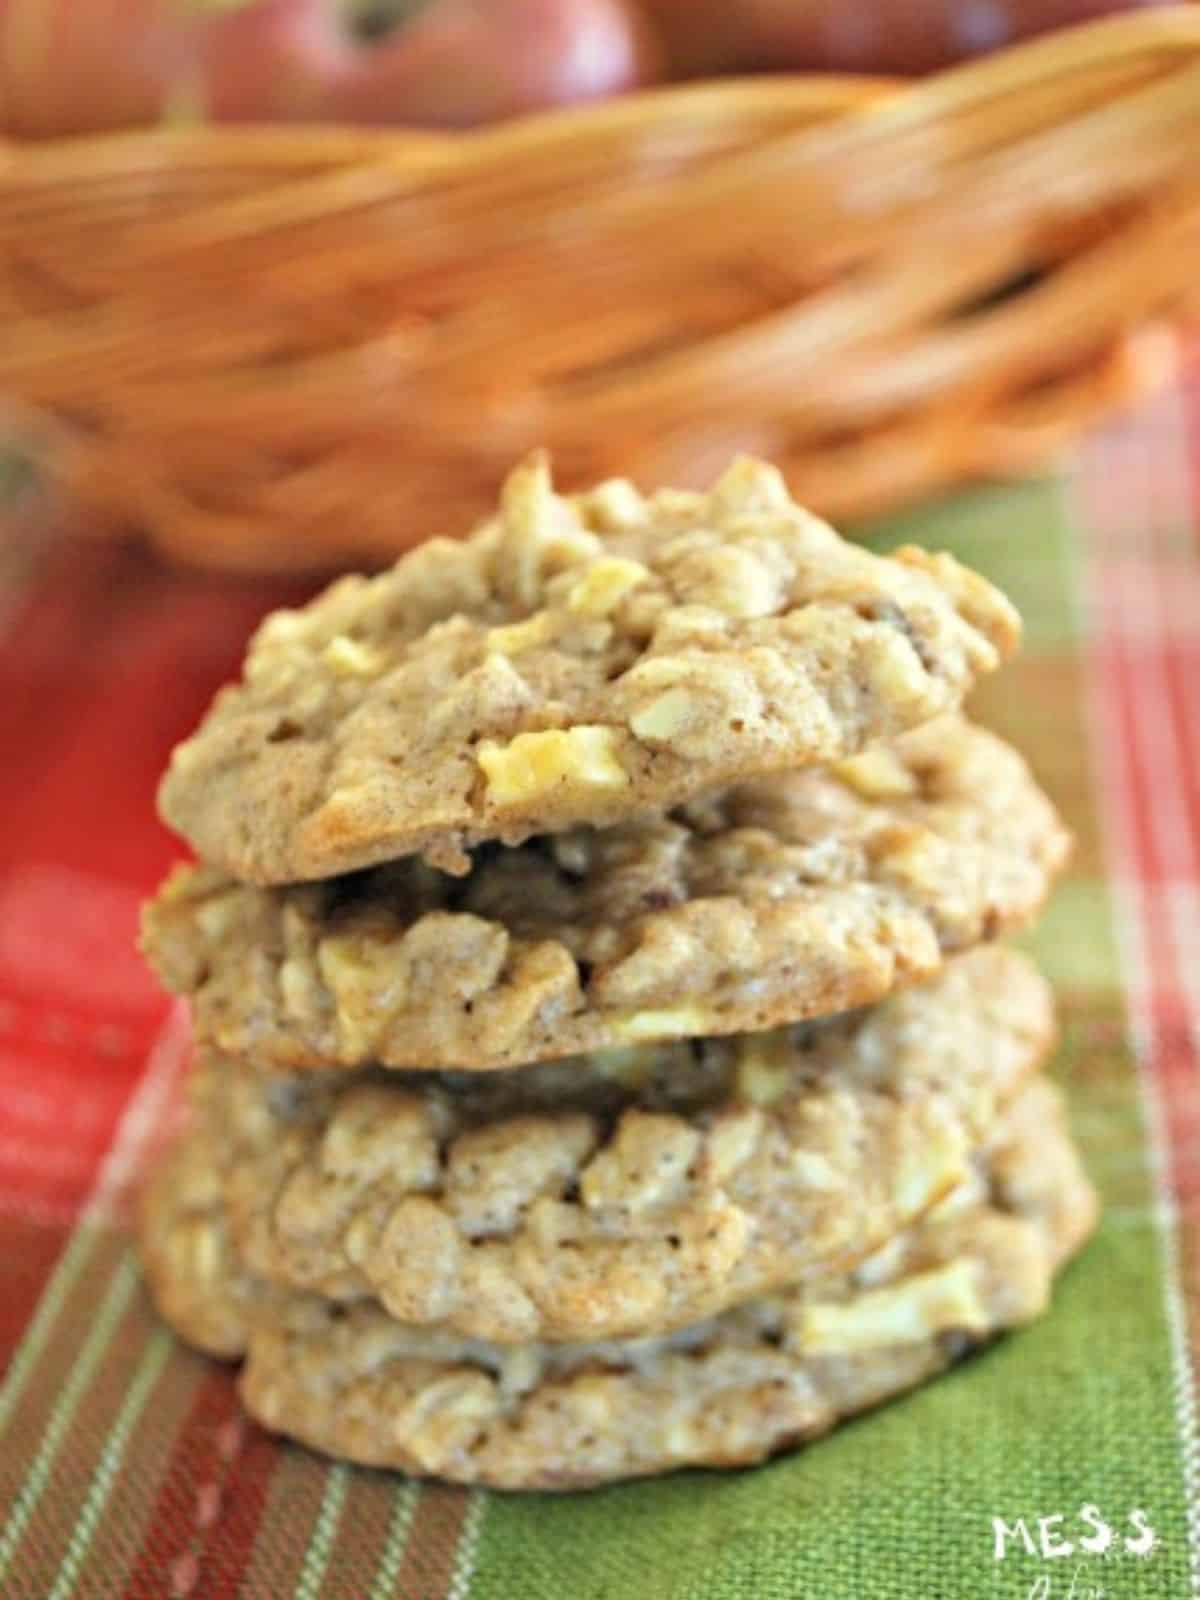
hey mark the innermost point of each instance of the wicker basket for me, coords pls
(291, 349)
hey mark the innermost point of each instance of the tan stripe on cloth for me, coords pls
(432, 1553)
(124, 1521)
(297, 1493)
(73, 1365)
(364, 1536)
(92, 1449)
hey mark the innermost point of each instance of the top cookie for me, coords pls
(576, 660)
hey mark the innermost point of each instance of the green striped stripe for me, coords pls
(71, 1263)
(403, 1509)
(320, 1545)
(112, 1309)
(158, 1348)
(468, 1546)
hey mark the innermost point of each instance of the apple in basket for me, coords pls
(70, 66)
(897, 36)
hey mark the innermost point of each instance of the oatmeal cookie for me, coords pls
(729, 1391)
(790, 897)
(614, 1197)
(577, 660)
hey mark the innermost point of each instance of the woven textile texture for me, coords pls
(126, 1469)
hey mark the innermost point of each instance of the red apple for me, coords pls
(67, 65)
(453, 63)
(70, 66)
(889, 36)
(468, 61)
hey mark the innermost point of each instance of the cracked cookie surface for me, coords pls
(789, 897)
(729, 1391)
(615, 1196)
(576, 660)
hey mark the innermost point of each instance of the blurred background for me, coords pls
(287, 285)
(76, 66)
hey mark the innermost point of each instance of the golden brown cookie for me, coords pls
(575, 661)
(787, 898)
(726, 1392)
(625, 1195)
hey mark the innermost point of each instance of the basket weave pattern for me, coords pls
(284, 348)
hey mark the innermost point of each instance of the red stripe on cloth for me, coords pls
(104, 664)
(192, 1503)
(56, 1126)
(1148, 684)
(1172, 986)
(84, 749)
(29, 1248)
(1144, 730)
(51, 1154)
(1191, 402)
(1153, 742)
(1182, 665)
(222, 1562)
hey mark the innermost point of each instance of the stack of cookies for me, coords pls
(605, 1063)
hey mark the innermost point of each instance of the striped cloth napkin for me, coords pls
(126, 1469)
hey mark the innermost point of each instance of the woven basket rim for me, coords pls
(344, 142)
(887, 286)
